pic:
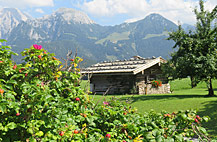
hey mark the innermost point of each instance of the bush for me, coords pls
(42, 102)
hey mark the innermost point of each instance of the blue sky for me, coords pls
(112, 12)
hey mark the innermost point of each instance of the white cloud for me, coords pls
(39, 10)
(178, 10)
(210, 4)
(26, 3)
(175, 10)
(112, 7)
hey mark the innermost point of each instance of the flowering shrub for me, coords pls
(41, 102)
(156, 83)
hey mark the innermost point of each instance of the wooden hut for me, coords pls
(127, 76)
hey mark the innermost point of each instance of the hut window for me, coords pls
(152, 77)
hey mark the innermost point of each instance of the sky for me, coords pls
(113, 12)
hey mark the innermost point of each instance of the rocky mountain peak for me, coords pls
(10, 18)
(15, 13)
(72, 15)
(154, 17)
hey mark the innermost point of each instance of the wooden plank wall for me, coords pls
(118, 84)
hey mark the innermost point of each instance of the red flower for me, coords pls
(108, 136)
(72, 60)
(1, 61)
(156, 83)
(198, 117)
(39, 56)
(15, 66)
(77, 99)
(61, 133)
(76, 131)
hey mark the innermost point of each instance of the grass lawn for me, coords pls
(182, 98)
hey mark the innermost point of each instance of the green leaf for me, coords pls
(203, 130)
(154, 125)
(179, 138)
(13, 78)
(206, 118)
(184, 116)
(10, 96)
(29, 130)
(156, 132)
(160, 139)
(2, 108)
(148, 135)
(2, 80)
(35, 69)
(7, 72)
(40, 133)
(3, 40)
(1, 126)
(10, 87)
(33, 140)
(11, 125)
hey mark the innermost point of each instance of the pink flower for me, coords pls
(38, 47)
(42, 84)
(106, 103)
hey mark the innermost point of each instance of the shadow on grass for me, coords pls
(213, 90)
(211, 111)
(161, 97)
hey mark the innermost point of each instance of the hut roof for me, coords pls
(133, 65)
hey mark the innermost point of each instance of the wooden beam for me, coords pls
(108, 74)
(145, 66)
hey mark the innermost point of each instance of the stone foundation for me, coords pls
(141, 87)
(148, 89)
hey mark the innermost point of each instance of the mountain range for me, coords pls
(68, 29)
